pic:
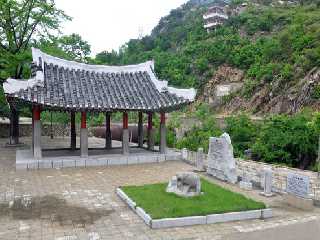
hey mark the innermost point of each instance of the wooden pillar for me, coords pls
(125, 134)
(150, 132)
(14, 126)
(108, 131)
(140, 130)
(84, 135)
(73, 131)
(37, 151)
(163, 133)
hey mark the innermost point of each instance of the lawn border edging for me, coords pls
(193, 220)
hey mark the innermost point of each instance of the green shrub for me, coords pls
(287, 140)
(199, 136)
(243, 132)
(316, 92)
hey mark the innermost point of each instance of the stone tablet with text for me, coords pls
(298, 185)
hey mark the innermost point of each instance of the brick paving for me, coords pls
(76, 204)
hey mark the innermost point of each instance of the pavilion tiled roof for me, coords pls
(66, 85)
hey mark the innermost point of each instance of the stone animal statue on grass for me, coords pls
(221, 162)
(185, 184)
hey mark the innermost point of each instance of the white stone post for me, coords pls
(267, 182)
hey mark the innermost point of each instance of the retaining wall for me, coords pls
(253, 170)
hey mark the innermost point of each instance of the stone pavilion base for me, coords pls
(298, 202)
(64, 158)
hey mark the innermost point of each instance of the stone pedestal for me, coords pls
(125, 142)
(151, 139)
(84, 142)
(163, 139)
(37, 151)
(305, 204)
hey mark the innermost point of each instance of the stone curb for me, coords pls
(178, 222)
(146, 217)
(195, 220)
(126, 199)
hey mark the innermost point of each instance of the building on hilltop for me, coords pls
(215, 16)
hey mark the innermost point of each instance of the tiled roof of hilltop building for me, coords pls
(57, 83)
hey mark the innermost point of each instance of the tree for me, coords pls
(71, 47)
(23, 21)
(75, 46)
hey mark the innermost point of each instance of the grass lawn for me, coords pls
(159, 204)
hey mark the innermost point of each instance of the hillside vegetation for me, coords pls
(275, 45)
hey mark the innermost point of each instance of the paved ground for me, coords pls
(74, 204)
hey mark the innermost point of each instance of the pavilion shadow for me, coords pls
(52, 208)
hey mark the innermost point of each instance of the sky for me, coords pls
(108, 24)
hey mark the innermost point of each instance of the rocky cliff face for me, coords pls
(226, 81)
(290, 99)
(267, 98)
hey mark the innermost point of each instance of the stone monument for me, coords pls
(200, 160)
(298, 191)
(185, 185)
(266, 182)
(221, 162)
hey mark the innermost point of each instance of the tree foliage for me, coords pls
(70, 47)
(22, 22)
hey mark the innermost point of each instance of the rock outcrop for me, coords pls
(225, 81)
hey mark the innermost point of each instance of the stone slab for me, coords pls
(80, 162)
(58, 163)
(148, 159)
(115, 161)
(298, 202)
(93, 163)
(174, 157)
(178, 222)
(69, 163)
(33, 165)
(45, 164)
(133, 160)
